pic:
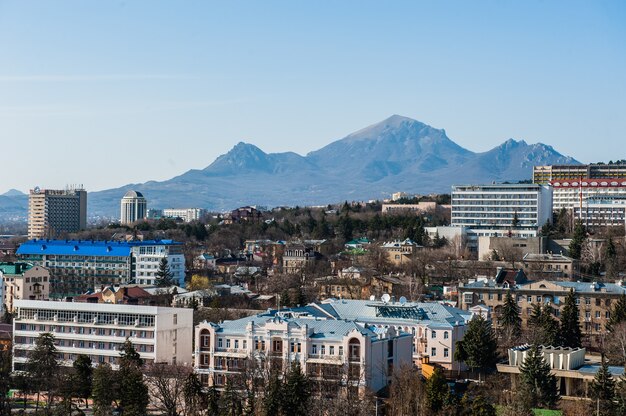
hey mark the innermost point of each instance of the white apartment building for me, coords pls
(328, 350)
(148, 257)
(186, 214)
(99, 330)
(602, 212)
(569, 194)
(492, 210)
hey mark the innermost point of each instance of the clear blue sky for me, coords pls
(106, 93)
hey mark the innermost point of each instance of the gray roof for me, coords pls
(579, 287)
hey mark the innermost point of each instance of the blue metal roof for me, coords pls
(86, 247)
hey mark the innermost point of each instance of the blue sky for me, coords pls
(107, 93)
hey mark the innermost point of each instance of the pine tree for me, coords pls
(618, 313)
(272, 402)
(164, 274)
(510, 319)
(193, 394)
(83, 381)
(133, 390)
(482, 407)
(300, 297)
(549, 327)
(213, 401)
(578, 239)
(570, 334)
(296, 391)
(104, 390)
(610, 255)
(478, 349)
(436, 390)
(42, 366)
(230, 402)
(537, 380)
(603, 388)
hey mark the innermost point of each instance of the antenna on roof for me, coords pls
(385, 297)
(402, 300)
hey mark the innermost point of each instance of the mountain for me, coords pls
(13, 192)
(396, 154)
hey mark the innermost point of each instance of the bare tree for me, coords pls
(166, 385)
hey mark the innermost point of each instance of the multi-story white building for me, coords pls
(134, 207)
(77, 266)
(19, 280)
(602, 212)
(99, 330)
(186, 214)
(149, 255)
(570, 194)
(517, 210)
(52, 212)
(435, 327)
(345, 352)
(544, 174)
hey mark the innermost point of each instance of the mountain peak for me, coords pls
(13, 192)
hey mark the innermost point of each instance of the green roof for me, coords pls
(14, 268)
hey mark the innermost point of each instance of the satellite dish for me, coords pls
(385, 297)
(402, 300)
(372, 297)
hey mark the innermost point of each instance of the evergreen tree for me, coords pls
(133, 390)
(478, 349)
(620, 394)
(570, 333)
(482, 407)
(510, 320)
(5, 380)
(618, 313)
(230, 402)
(610, 255)
(164, 274)
(193, 394)
(83, 380)
(537, 380)
(213, 401)
(436, 390)
(104, 390)
(534, 320)
(42, 366)
(285, 299)
(578, 239)
(272, 402)
(543, 327)
(300, 297)
(296, 391)
(603, 388)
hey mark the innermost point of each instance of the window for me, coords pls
(597, 314)
(538, 298)
(433, 351)
(175, 319)
(491, 296)
(236, 344)
(227, 342)
(331, 350)
(300, 347)
(323, 350)
(445, 352)
(314, 349)
(340, 350)
(529, 299)
(219, 343)
(433, 334)
(445, 334)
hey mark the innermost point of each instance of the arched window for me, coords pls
(205, 339)
(354, 348)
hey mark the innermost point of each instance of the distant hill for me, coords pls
(396, 154)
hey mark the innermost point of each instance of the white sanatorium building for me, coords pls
(98, 330)
(326, 334)
(329, 351)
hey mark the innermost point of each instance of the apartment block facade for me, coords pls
(544, 174)
(160, 335)
(594, 300)
(77, 266)
(516, 210)
(53, 212)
